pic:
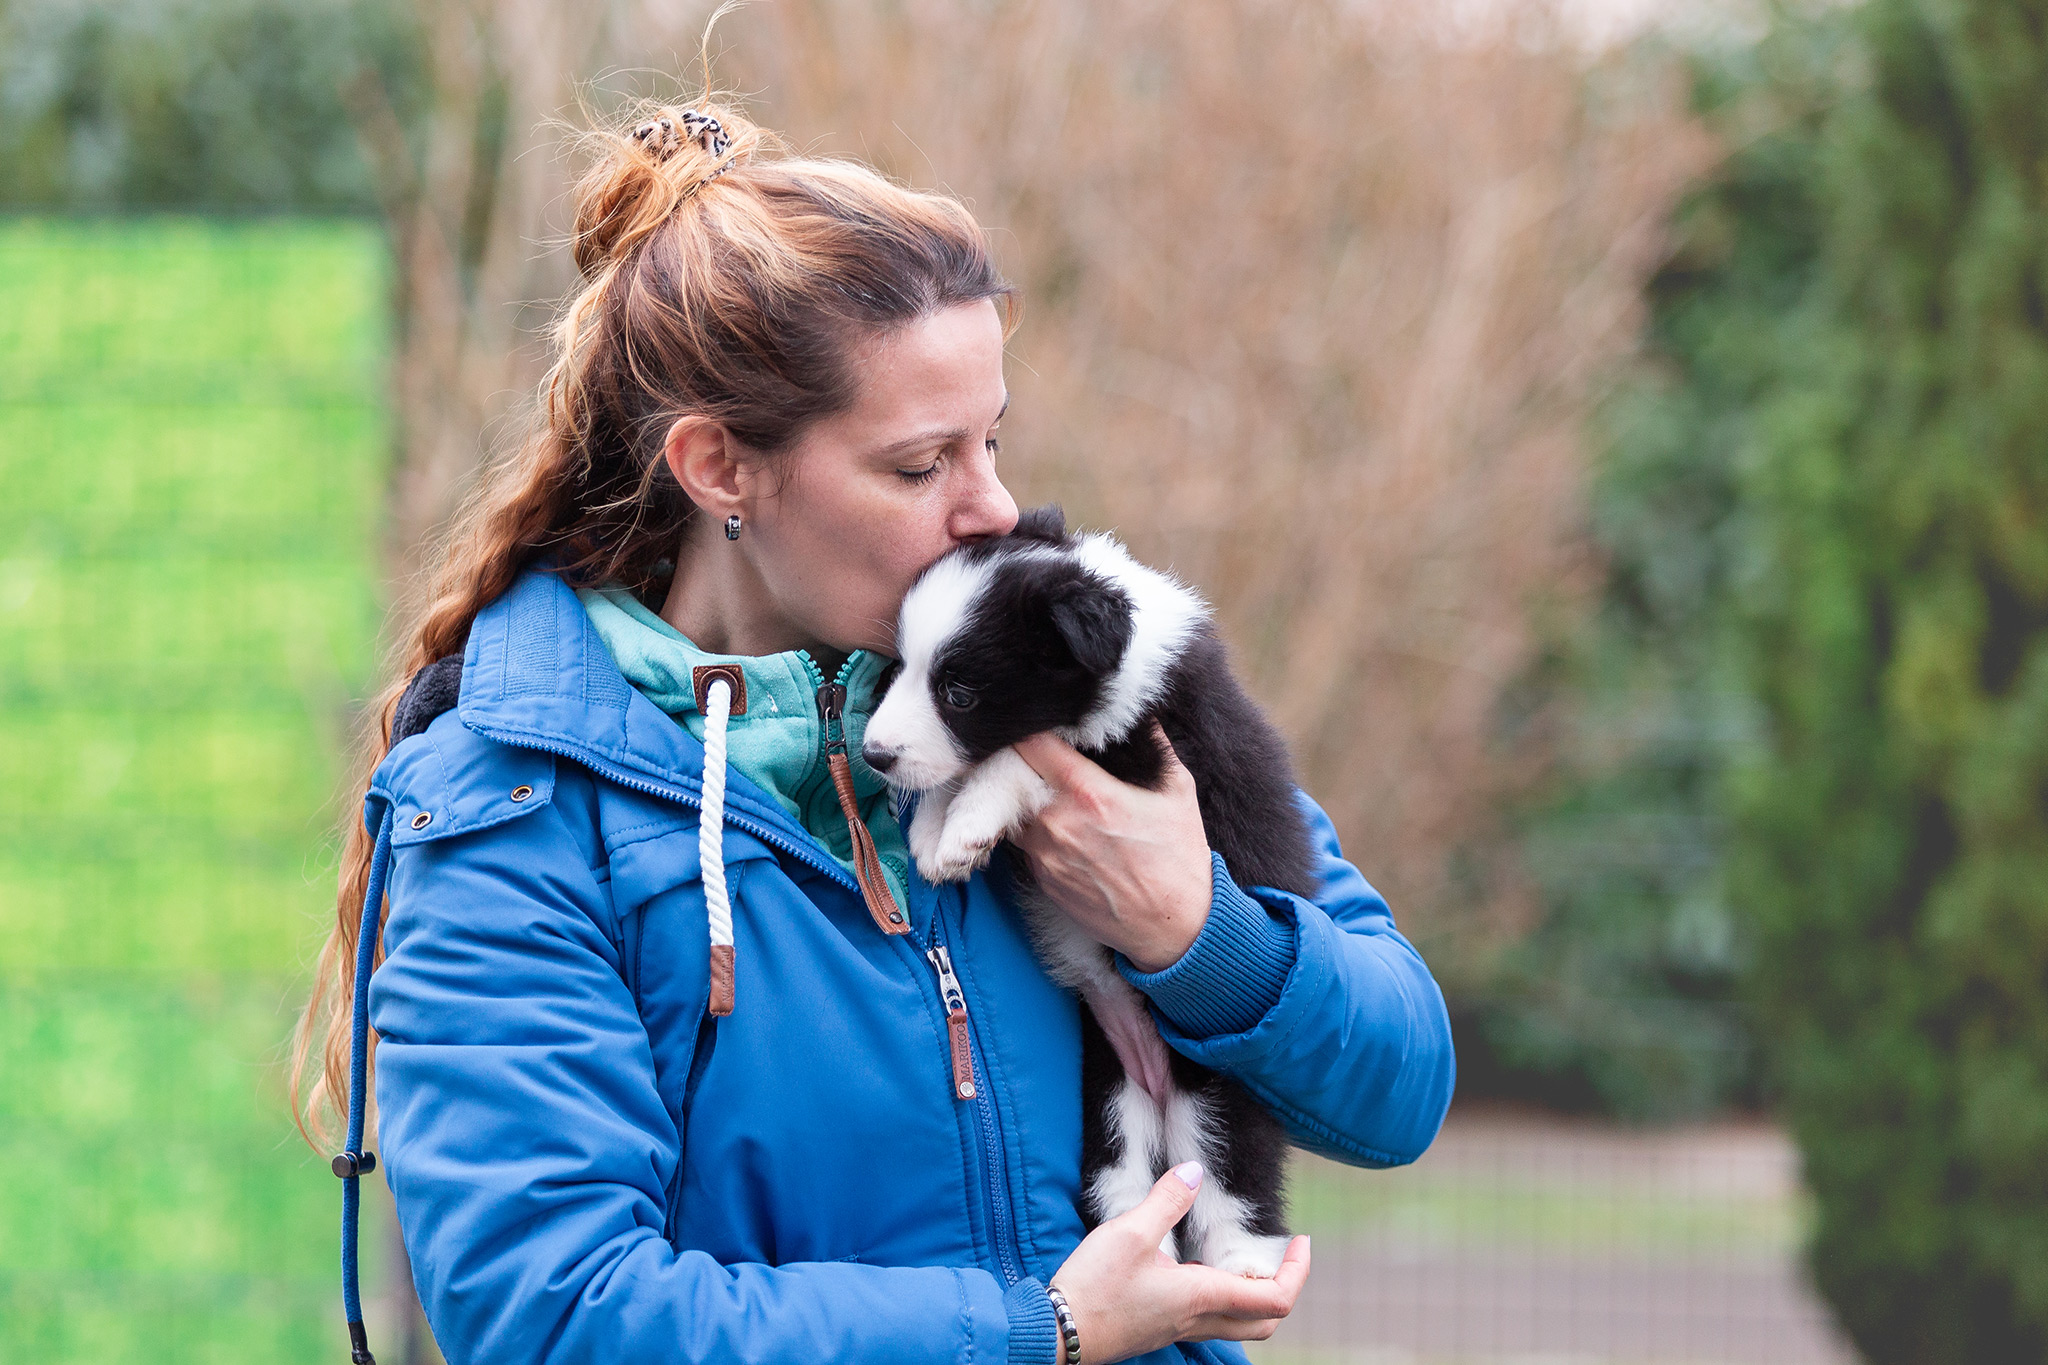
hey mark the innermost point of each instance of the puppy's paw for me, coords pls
(954, 857)
(979, 818)
(1245, 1253)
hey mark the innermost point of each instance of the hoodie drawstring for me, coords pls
(711, 844)
(353, 1162)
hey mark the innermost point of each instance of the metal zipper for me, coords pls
(995, 1180)
(960, 1040)
(959, 1034)
(996, 1192)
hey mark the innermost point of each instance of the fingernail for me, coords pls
(1190, 1173)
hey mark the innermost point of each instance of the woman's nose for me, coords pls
(987, 509)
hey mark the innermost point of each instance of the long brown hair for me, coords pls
(732, 284)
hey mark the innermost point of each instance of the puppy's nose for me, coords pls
(881, 760)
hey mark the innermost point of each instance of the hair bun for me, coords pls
(649, 170)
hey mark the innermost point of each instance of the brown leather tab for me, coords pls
(721, 979)
(701, 678)
(867, 864)
(963, 1056)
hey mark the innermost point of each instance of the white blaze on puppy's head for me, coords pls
(907, 738)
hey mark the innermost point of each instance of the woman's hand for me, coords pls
(1130, 865)
(1129, 1297)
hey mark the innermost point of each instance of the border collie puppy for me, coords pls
(1041, 630)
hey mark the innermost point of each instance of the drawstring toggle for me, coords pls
(346, 1164)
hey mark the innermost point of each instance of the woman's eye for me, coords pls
(995, 447)
(925, 475)
(958, 697)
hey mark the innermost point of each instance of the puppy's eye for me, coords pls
(958, 696)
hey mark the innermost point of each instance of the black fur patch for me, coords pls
(1015, 663)
(1095, 621)
(1047, 523)
(1244, 779)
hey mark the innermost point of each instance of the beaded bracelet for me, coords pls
(1068, 1332)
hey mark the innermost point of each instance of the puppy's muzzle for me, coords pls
(878, 758)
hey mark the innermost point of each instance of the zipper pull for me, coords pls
(831, 706)
(867, 864)
(956, 1021)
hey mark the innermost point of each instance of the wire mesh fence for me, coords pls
(1527, 1239)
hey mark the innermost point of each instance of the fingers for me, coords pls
(1294, 1266)
(1235, 1329)
(1249, 1300)
(1166, 749)
(1171, 1197)
(1052, 758)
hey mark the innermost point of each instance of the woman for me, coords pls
(775, 402)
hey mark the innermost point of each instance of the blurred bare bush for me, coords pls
(1319, 296)
(470, 182)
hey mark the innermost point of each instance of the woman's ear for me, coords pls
(712, 468)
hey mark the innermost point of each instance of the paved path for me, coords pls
(1544, 1242)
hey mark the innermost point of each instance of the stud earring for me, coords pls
(732, 528)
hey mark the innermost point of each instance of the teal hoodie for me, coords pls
(779, 744)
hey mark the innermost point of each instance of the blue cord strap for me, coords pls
(353, 1163)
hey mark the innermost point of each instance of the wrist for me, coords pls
(1234, 972)
(1179, 925)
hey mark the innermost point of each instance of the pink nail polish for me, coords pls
(1190, 1173)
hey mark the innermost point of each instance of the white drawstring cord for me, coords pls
(711, 845)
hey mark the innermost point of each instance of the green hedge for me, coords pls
(193, 443)
(214, 105)
(1894, 846)
(1837, 472)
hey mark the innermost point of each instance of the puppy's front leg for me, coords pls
(999, 796)
(927, 826)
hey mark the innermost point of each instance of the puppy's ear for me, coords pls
(1042, 523)
(1095, 621)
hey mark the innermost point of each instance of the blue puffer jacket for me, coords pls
(589, 1168)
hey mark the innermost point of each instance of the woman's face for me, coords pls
(866, 499)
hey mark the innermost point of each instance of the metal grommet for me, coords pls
(420, 821)
(521, 792)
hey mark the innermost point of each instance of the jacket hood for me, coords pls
(536, 675)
